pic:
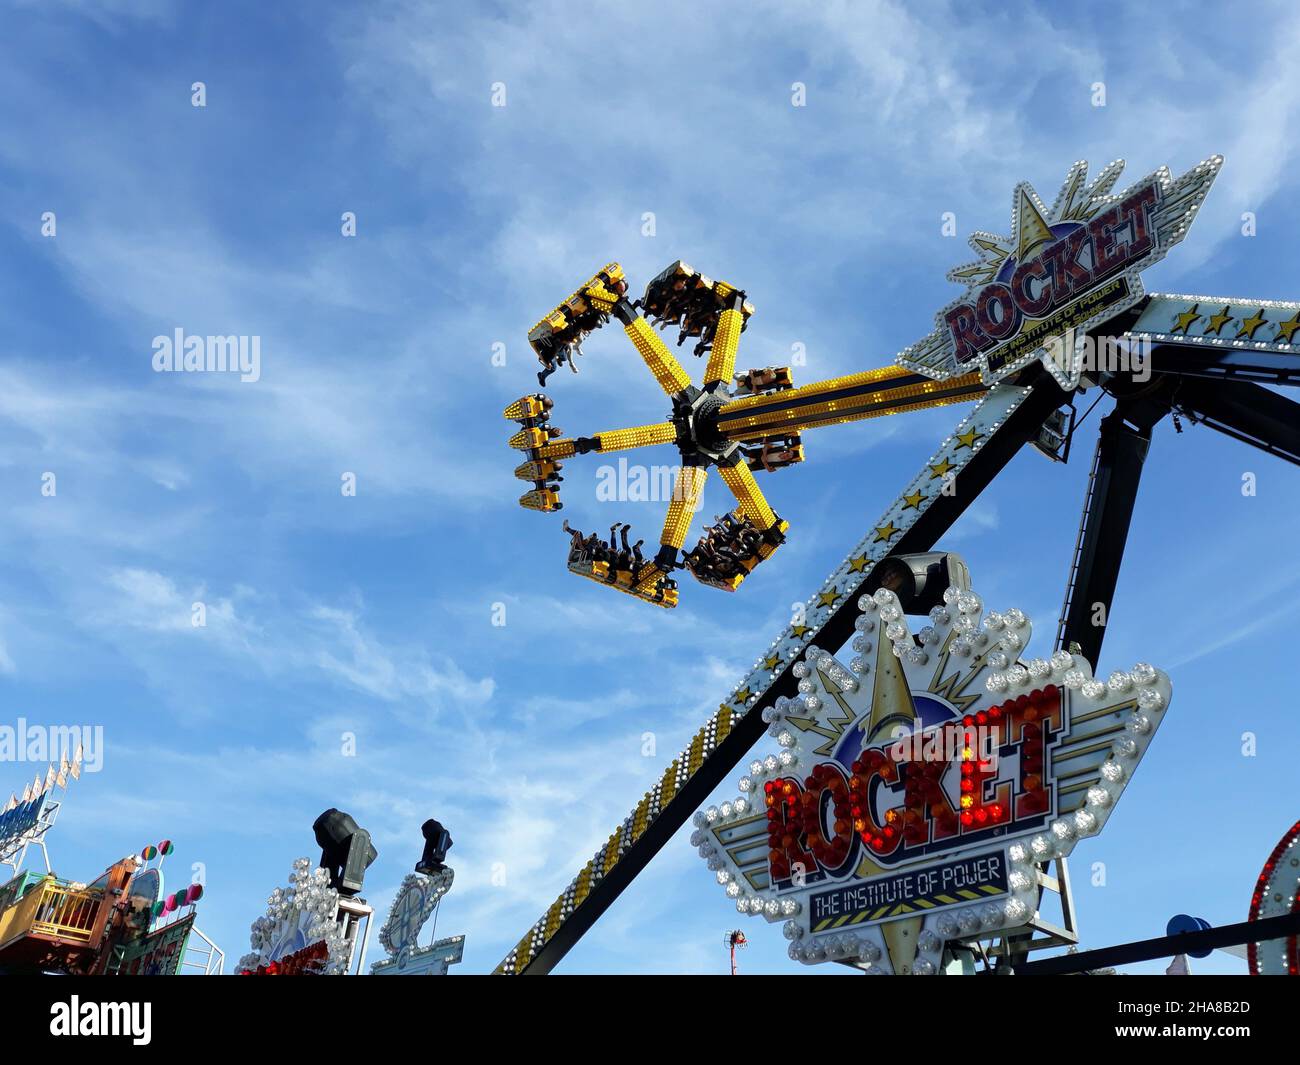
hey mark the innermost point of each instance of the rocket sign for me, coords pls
(915, 792)
(1062, 272)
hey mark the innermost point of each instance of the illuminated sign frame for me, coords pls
(1061, 272)
(916, 791)
(416, 899)
(1277, 892)
(296, 917)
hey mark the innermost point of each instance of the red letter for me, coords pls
(967, 340)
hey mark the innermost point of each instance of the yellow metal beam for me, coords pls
(662, 362)
(639, 436)
(748, 495)
(722, 357)
(686, 501)
(873, 394)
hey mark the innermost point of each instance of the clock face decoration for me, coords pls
(416, 900)
(916, 791)
(408, 917)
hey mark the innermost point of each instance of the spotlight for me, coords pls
(919, 580)
(437, 842)
(346, 850)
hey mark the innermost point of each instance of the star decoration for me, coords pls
(941, 469)
(828, 598)
(1218, 321)
(1187, 317)
(885, 532)
(914, 501)
(800, 631)
(1036, 227)
(968, 438)
(771, 662)
(1249, 325)
(857, 565)
(740, 696)
(1285, 329)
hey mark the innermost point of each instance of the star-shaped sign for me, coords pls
(1285, 329)
(1218, 321)
(1183, 321)
(1249, 325)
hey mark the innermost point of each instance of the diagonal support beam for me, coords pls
(1248, 412)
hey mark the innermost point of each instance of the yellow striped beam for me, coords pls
(647, 811)
(873, 394)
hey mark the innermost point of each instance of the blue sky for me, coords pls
(372, 615)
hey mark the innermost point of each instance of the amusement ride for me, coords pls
(1049, 312)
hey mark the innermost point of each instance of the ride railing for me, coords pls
(52, 909)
